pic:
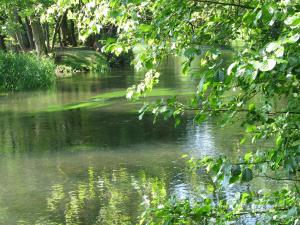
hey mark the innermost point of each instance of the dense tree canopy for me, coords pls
(38, 25)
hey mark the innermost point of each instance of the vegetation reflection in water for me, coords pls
(121, 197)
(104, 198)
(34, 146)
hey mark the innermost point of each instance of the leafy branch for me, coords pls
(277, 178)
(240, 110)
(226, 4)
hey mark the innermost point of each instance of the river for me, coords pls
(77, 154)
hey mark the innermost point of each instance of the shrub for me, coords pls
(25, 71)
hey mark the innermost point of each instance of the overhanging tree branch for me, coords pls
(240, 111)
(261, 212)
(226, 4)
(278, 179)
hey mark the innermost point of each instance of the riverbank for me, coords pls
(27, 71)
(79, 59)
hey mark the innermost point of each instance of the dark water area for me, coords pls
(96, 165)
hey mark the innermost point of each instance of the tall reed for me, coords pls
(25, 71)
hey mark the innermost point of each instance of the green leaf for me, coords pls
(251, 107)
(293, 21)
(293, 39)
(250, 128)
(279, 52)
(190, 52)
(272, 46)
(115, 13)
(243, 140)
(248, 156)
(205, 86)
(177, 121)
(233, 179)
(135, 1)
(296, 143)
(247, 175)
(145, 28)
(184, 156)
(246, 198)
(267, 65)
(279, 141)
(185, 68)
(236, 170)
(199, 118)
(231, 67)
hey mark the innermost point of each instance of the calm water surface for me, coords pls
(94, 165)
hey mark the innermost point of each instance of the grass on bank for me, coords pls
(25, 71)
(81, 59)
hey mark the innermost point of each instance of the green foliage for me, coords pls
(25, 72)
(262, 83)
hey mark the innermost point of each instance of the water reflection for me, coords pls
(95, 166)
(103, 198)
(201, 141)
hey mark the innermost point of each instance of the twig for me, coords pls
(275, 178)
(241, 110)
(226, 4)
(260, 212)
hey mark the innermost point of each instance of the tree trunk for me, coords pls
(2, 42)
(60, 41)
(18, 30)
(47, 34)
(64, 30)
(57, 28)
(38, 36)
(2, 37)
(29, 33)
(72, 36)
(24, 34)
